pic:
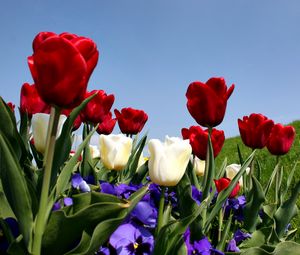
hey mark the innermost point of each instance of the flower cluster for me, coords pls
(63, 198)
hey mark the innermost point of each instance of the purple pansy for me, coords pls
(13, 225)
(240, 236)
(200, 247)
(236, 205)
(130, 239)
(232, 247)
(79, 183)
(196, 195)
(145, 213)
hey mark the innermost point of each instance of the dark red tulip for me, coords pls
(207, 101)
(61, 67)
(31, 102)
(11, 106)
(107, 125)
(281, 139)
(223, 183)
(255, 130)
(131, 121)
(98, 108)
(199, 138)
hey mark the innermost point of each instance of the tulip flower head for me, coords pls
(131, 121)
(199, 138)
(281, 139)
(233, 169)
(168, 160)
(61, 66)
(115, 151)
(31, 102)
(11, 106)
(40, 122)
(98, 108)
(207, 102)
(223, 183)
(199, 166)
(107, 125)
(255, 130)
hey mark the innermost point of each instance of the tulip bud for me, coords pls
(199, 166)
(95, 153)
(223, 183)
(233, 169)
(115, 151)
(255, 130)
(281, 139)
(40, 123)
(168, 160)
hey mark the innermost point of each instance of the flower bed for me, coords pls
(116, 201)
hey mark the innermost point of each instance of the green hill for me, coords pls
(267, 161)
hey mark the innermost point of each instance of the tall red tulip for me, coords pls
(223, 183)
(255, 130)
(281, 139)
(131, 121)
(199, 138)
(31, 102)
(98, 108)
(107, 125)
(61, 66)
(207, 102)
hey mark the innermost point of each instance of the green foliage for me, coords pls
(267, 164)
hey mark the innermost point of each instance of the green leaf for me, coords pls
(223, 195)
(86, 165)
(258, 238)
(170, 236)
(133, 160)
(254, 199)
(271, 179)
(286, 211)
(284, 248)
(240, 155)
(15, 188)
(65, 230)
(140, 174)
(64, 142)
(222, 169)
(64, 177)
(289, 181)
(9, 129)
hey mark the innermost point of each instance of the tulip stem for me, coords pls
(161, 210)
(43, 213)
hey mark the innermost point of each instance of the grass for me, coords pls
(267, 162)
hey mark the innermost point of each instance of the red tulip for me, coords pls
(11, 106)
(255, 130)
(281, 139)
(207, 101)
(131, 121)
(98, 108)
(223, 183)
(61, 67)
(77, 122)
(199, 138)
(107, 125)
(31, 102)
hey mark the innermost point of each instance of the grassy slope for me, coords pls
(266, 160)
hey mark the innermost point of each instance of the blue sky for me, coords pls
(151, 50)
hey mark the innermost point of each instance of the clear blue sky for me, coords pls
(151, 50)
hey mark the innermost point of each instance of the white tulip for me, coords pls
(199, 166)
(95, 153)
(40, 123)
(115, 151)
(233, 169)
(168, 160)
